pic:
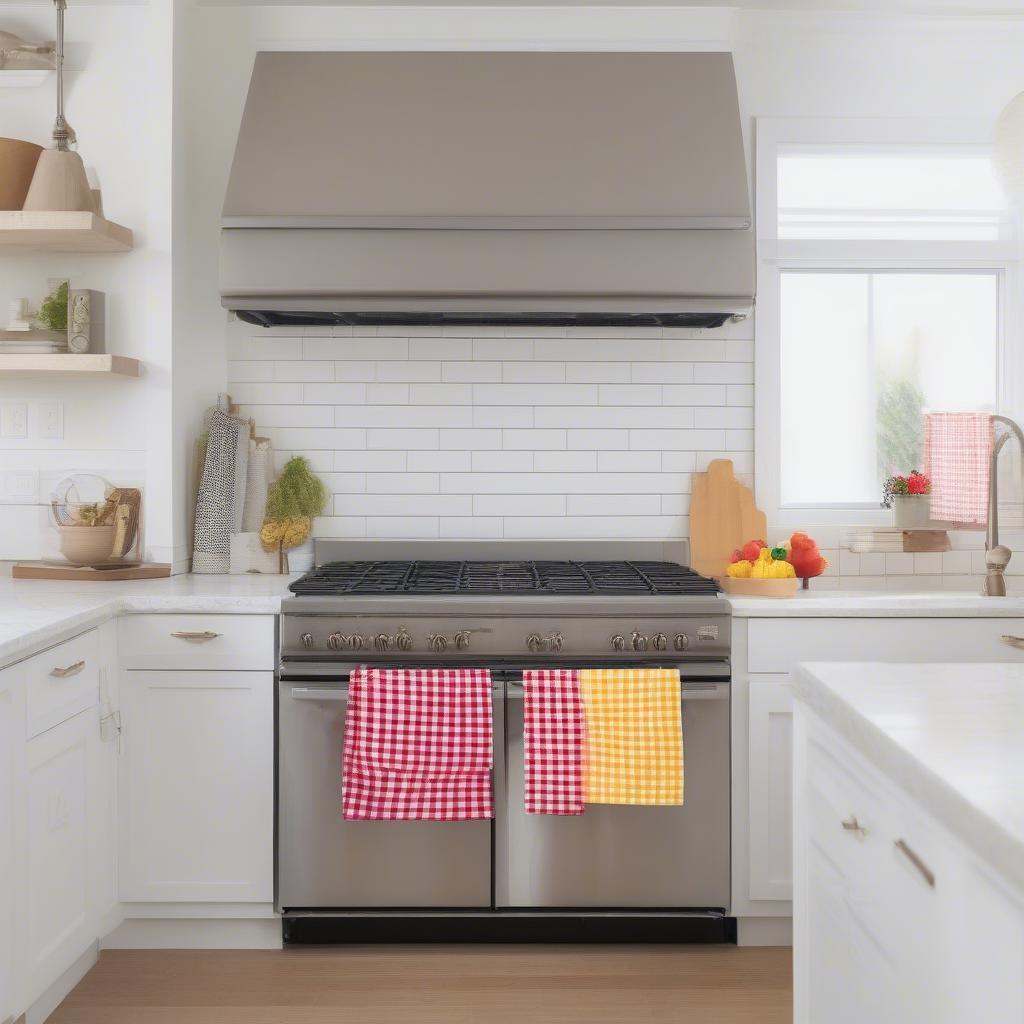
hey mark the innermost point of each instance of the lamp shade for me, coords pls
(1009, 149)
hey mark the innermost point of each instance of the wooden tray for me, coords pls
(760, 588)
(54, 571)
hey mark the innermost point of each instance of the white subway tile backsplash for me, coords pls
(439, 462)
(407, 505)
(442, 394)
(374, 348)
(373, 461)
(403, 527)
(289, 415)
(676, 440)
(441, 348)
(503, 348)
(535, 394)
(694, 394)
(471, 439)
(470, 372)
(613, 505)
(316, 439)
(629, 462)
(739, 394)
(333, 394)
(724, 416)
(245, 370)
(519, 504)
(313, 370)
(403, 415)
(723, 373)
(564, 462)
(928, 564)
(356, 370)
(899, 564)
(532, 440)
(596, 440)
(610, 416)
(412, 372)
(956, 563)
(471, 527)
(629, 394)
(502, 416)
(661, 373)
(402, 483)
(596, 373)
(266, 394)
(503, 462)
(387, 437)
(387, 394)
(540, 373)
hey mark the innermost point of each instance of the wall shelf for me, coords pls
(62, 232)
(95, 364)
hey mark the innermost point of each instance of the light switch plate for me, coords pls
(49, 420)
(13, 419)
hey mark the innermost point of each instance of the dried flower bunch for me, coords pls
(295, 498)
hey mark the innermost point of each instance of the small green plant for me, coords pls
(53, 313)
(295, 498)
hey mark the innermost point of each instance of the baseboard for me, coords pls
(57, 992)
(183, 933)
(764, 931)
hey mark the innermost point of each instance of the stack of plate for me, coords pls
(34, 343)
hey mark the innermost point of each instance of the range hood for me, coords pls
(498, 188)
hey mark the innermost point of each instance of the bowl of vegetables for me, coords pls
(757, 570)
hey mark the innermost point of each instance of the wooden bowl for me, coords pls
(18, 161)
(760, 588)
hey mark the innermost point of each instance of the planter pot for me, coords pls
(87, 545)
(18, 161)
(300, 559)
(912, 512)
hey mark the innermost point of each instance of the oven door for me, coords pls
(618, 857)
(325, 862)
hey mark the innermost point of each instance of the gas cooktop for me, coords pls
(507, 578)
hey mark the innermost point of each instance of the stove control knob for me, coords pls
(402, 640)
(639, 641)
(334, 641)
(618, 642)
(462, 639)
(437, 642)
(660, 642)
(382, 642)
(307, 639)
(682, 641)
(356, 642)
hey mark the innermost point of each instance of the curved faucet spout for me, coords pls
(997, 555)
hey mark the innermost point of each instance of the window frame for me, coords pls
(775, 256)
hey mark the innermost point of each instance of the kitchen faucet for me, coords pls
(997, 556)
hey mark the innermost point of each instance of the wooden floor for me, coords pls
(437, 985)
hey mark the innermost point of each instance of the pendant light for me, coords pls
(1009, 150)
(60, 181)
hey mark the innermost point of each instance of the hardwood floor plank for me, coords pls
(436, 985)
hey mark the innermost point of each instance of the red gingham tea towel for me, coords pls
(418, 745)
(957, 453)
(553, 741)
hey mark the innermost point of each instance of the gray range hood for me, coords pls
(498, 187)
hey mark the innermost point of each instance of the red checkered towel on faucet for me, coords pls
(957, 456)
(553, 741)
(418, 745)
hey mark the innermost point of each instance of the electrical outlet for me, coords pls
(13, 419)
(50, 420)
(19, 487)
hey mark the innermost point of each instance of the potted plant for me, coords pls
(910, 499)
(294, 499)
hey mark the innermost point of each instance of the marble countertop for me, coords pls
(952, 736)
(37, 613)
(867, 604)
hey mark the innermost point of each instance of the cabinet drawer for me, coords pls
(777, 645)
(230, 642)
(61, 682)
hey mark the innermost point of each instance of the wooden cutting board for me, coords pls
(723, 516)
(56, 571)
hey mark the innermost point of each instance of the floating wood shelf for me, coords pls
(62, 232)
(95, 363)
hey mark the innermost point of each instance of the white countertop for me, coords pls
(882, 604)
(952, 736)
(37, 613)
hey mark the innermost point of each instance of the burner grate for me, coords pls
(522, 577)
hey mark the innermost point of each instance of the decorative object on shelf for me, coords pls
(19, 316)
(910, 499)
(53, 310)
(60, 181)
(248, 555)
(221, 495)
(882, 539)
(722, 516)
(1009, 149)
(98, 525)
(18, 160)
(85, 321)
(295, 498)
(17, 54)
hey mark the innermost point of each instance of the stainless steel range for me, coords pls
(616, 872)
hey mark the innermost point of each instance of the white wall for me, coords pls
(118, 427)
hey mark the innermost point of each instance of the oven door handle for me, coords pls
(339, 693)
(690, 691)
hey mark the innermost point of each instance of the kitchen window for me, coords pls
(887, 280)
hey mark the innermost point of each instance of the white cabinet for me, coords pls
(770, 749)
(894, 920)
(197, 786)
(12, 737)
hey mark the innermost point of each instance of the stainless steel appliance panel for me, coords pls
(327, 862)
(620, 856)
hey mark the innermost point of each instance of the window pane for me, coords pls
(850, 192)
(864, 356)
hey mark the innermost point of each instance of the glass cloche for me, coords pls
(97, 524)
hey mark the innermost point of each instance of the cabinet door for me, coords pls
(197, 786)
(59, 924)
(12, 839)
(770, 758)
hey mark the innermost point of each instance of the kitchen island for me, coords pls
(909, 842)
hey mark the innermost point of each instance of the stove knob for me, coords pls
(403, 641)
(437, 642)
(307, 639)
(660, 642)
(618, 642)
(462, 639)
(334, 641)
(682, 641)
(382, 642)
(639, 641)
(356, 642)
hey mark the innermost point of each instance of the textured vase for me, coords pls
(59, 184)
(911, 511)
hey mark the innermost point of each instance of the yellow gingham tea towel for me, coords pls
(634, 739)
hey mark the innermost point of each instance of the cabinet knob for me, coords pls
(851, 824)
(67, 670)
(1014, 641)
(196, 636)
(926, 872)
(660, 642)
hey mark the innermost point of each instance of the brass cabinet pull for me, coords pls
(926, 872)
(1014, 641)
(69, 670)
(196, 636)
(851, 824)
